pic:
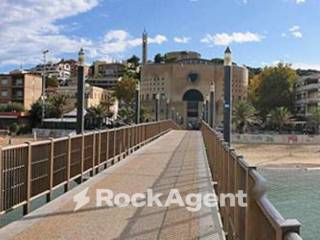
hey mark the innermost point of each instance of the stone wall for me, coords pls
(275, 139)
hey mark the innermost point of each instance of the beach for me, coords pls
(281, 156)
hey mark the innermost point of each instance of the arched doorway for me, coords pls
(193, 98)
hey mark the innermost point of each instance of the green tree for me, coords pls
(314, 120)
(272, 88)
(108, 103)
(280, 116)
(12, 107)
(57, 103)
(124, 91)
(158, 58)
(36, 113)
(134, 60)
(52, 82)
(244, 114)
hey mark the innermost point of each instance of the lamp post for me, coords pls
(81, 92)
(207, 109)
(137, 114)
(43, 85)
(157, 107)
(212, 105)
(167, 108)
(172, 113)
(227, 95)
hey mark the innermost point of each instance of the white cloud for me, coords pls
(306, 66)
(300, 1)
(181, 39)
(226, 39)
(30, 26)
(295, 31)
(118, 41)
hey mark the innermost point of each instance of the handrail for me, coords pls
(260, 220)
(34, 169)
(292, 236)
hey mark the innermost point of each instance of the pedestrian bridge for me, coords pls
(154, 157)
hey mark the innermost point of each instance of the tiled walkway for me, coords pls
(176, 160)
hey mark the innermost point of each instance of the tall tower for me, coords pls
(144, 48)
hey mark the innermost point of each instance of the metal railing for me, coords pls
(259, 220)
(31, 170)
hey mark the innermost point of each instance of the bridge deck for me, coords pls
(176, 160)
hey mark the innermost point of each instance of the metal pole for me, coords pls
(157, 107)
(137, 115)
(227, 96)
(207, 111)
(43, 86)
(167, 108)
(80, 95)
(212, 106)
(172, 113)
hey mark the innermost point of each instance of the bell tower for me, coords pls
(144, 48)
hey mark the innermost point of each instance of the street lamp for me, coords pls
(212, 105)
(157, 107)
(227, 95)
(167, 108)
(81, 92)
(207, 109)
(172, 113)
(137, 115)
(43, 85)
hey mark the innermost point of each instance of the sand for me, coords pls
(266, 155)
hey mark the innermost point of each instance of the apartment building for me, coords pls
(105, 75)
(60, 70)
(20, 87)
(307, 94)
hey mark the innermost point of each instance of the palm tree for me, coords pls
(279, 117)
(244, 114)
(57, 103)
(97, 114)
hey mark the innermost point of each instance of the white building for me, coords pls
(307, 97)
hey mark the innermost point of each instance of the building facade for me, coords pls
(20, 87)
(307, 95)
(106, 75)
(183, 84)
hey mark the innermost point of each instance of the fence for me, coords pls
(31, 170)
(259, 220)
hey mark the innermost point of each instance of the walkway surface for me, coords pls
(176, 160)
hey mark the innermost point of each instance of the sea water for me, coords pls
(296, 194)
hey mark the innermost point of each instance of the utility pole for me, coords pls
(43, 86)
(227, 95)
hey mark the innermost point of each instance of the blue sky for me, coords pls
(259, 32)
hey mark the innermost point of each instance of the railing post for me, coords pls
(68, 165)
(1, 176)
(107, 152)
(289, 226)
(51, 159)
(27, 206)
(99, 152)
(82, 157)
(248, 224)
(93, 153)
(114, 145)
